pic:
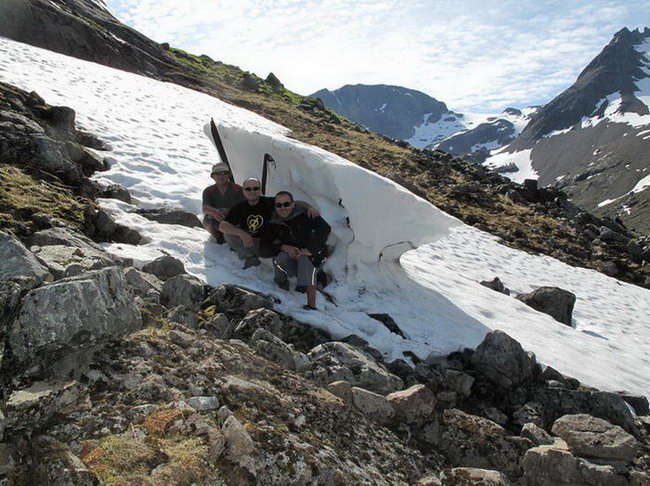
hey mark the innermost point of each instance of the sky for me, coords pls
(474, 55)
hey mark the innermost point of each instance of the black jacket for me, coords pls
(297, 230)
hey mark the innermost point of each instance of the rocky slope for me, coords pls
(591, 140)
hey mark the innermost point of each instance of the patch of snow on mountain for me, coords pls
(428, 133)
(161, 154)
(520, 159)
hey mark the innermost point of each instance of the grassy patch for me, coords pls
(22, 197)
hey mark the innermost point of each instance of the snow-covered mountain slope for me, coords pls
(160, 152)
(592, 140)
(492, 134)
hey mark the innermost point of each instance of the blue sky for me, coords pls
(480, 56)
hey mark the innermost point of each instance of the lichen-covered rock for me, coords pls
(257, 319)
(341, 389)
(18, 263)
(460, 382)
(503, 361)
(595, 438)
(530, 412)
(471, 441)
(238, 441)
(184, 316)
(72, 314)
(413, 404)
(54, 463)
(184, 290)
(273, 348)
(554, 465)
(336, 361)
(165, 267)
(372, 404)
(67, 261)
(469, 476)
(142, 283)
(536, 435)
(238, 300)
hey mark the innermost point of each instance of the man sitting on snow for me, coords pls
(298, 244)
(243, 224)
(218, 199)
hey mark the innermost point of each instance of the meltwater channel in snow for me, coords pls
(162, 155)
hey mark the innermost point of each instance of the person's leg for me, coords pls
(236, 244)
(212, 226)
(307, 280)
(284, 267)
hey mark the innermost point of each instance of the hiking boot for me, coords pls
(251, 261)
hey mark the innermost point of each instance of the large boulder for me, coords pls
(171, 216)
(595, 438)
(414, 403)
(62, 236)
(237, 300)
(503, 361)
(72, 314)
(557, 303)
(372, 404)
(184, 290)
(337, 361)
(165, 267)
(68, 261)
(54, 463)
(273, 348)
(472, 441)
(554, 465)
(18, 264)
(469, 476)
(258, 319)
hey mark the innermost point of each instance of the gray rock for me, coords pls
(557, 303)
(471, 441)
(258, 319)
(238, 300)
(238, 442)
(171, 216)
(7, 462)
(495, 285)
(638, 402)
(203, 404)
(116, 191)
(460, 382)
(336, 361)
(18, 264)
(184, 316)
(142, 283)
(221, 327)
(607, 406)
(3, 424)
(372, 404)
(503, 361)
(105, 225)
(495, 415)
(73, 314)
(184, 290)
(54, 463)
(63, 236)
(68, 261)
(182, 339)
(9, 300)
(428, 481)
(595, 438)
(34, 406)
(413, 404)
(554, 465)
(536, 435)
(165, 267)
(273, 348)
(468, 476)
(341, 389)
(529, 412)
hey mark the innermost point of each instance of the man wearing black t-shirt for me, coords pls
(244, 221)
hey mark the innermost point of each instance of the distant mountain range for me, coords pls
(592, 141)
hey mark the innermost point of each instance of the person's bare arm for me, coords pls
(230, 229)
(219, 214)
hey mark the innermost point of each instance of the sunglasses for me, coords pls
(284, 204)
(223, 172)
(254, 188)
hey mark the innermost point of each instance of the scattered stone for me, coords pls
(496, 285)
(116, 191)
(171, 216)
(460, 382)
(237, 300)
(557, 303)
(503, 361)
(182, 339)
(429, 481)
(73, 314)
(7, 462)
(595, 438)
(69, 261)
(184, 316)
(54, 463)
(238, 442)
(468, 476)
(142, 283)
(336, 361)
(165, 267)
(258, 319)
(531, 412)
(18, 263)
(273, 348)
(536, 435)
(184, 290)
(495, 415)
(413, 404)
(372, 404)
(203, 404)
(389, 322)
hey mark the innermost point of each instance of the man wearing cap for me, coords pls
(218, 199)
(243, 224)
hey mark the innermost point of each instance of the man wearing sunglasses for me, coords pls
(298, 244)
(218, 199)
(243, 224)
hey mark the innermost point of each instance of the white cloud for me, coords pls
(473, 55)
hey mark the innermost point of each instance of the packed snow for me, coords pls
(520, 159)
(162, 155)
(427, 133)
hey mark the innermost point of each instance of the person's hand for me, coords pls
(305, 252)
(292, 251)
(219, 214)
(313, 212)
(246, 239)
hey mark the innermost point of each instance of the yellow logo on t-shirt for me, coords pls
(254, 222)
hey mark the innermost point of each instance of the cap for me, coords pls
(220, 167)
